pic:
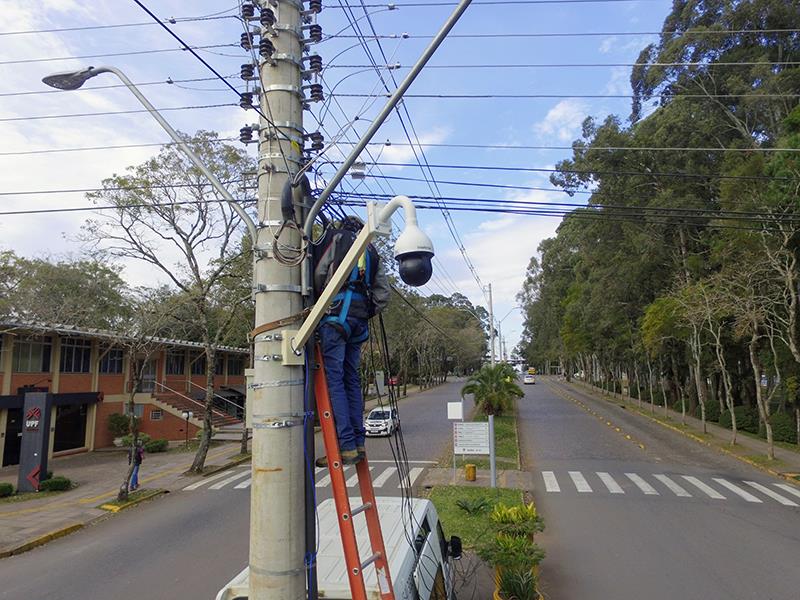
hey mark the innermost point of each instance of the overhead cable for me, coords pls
(548, 34)
(113, 54)
(171, 20)
(112, 112)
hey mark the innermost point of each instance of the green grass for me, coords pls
(13, 498)
(505, 445)
(132, 497)
(455, 521)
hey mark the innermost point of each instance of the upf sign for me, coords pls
(33, 418)
(470, 438)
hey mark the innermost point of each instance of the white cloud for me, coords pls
(607, 44)
(563, 121)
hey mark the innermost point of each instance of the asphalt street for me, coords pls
(189, 543)
(667, 520)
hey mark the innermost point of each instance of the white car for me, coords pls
(529, 379)
(381, 421)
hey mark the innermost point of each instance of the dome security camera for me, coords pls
(413, 252)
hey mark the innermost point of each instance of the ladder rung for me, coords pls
(360, 509)
(370, 560)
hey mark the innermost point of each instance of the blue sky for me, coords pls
(499, 246)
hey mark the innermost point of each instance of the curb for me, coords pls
(227, 465)
(42, 540)
(149, 495)
(699, 440)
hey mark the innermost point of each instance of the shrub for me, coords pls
(55, 484)
(746, 419)
(521, 520)
(474, 506)
(511, 552)
(156, 446)
(517, 584)
(6, 489)
(127, 439)
(712, 412)
(784, 428)
(119, 424)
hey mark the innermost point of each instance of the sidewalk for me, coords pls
(98, 476)
(787, 463)
(515, 480)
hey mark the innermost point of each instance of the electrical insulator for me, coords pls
(266, 48)
(248, 10)
(267, 17)
(315, 92)
(246, 100)
(315, 33)
(246, 41)
(248, 71)
(317, 141)
(315, 63)
(246, 134)
(315, 6)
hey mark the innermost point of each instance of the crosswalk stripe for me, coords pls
(225, 482)
(206, 480)
(774, 495)
(383, 477)
(412, 476)
(550, 481)
(673, 487)
(580, 482)
(244, 485)
(707, 490)
(737, 490)
(788, 488)
(646, 488)
(354, 479)
(609, 482)
(324, 481)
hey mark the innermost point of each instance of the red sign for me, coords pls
(32, 419)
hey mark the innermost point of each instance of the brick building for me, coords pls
(89, 377)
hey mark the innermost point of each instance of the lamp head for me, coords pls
(70, 80)
(413, 252)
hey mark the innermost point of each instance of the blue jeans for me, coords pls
(135, 477)
(342, 360)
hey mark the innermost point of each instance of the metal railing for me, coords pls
(190, 399)
(238, 411)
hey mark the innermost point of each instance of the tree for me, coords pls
(493, 388)
(170, 217)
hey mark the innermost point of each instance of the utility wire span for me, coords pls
(484, 3)
(172, 20)
(73, 209)
(766, 63)
(113, 54)
(392, 36)
(112, 112)
(168, 81)
(124, 188)
(592, 148)
(420, 313)
(675, 96)
(93, 148)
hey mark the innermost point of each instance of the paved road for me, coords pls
(669, 520)
(191, 542)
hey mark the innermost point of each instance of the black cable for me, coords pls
(112, 189)
(173, 21)
(487, 3)
(168, 81)
(393, 36)
(766, 63)
(92, 148)
(674, 96)
(115, 112)
(113, 54)
(115, 207)
(592, 148)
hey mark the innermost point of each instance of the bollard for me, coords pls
(470, 472)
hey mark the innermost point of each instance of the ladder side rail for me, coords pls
(375, 532)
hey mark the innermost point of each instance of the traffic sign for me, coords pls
(470, 438)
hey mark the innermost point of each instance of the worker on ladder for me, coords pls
(345, 328)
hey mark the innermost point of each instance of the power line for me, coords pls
(510, 35)
(124, 188)
(484, 3)
(113, 54)
(73, 209)
(112, 113)
(605, 148)
(766, 63)
(674, 96)
(92, 148)
(168, 81)
(173, 21)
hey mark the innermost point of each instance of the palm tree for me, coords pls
(493, 388)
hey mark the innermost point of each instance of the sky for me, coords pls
(499, 246)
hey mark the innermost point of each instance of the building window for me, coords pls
(138, 410)
(198, 363)
(236, 364)
(176, 362)
(219, 364)
(76, 355)
(156, 414)
(111, 360)
(32, 355)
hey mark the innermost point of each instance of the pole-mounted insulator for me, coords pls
(267, 17)
(248, 10)
(317, 141)
(246, 134)
(248, 71)
(315, 93)
(266, 48)
(246, 100)
(246, 41)
(314, 63)
(314, 33)
(315, 6)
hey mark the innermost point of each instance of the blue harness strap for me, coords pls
(346, 299)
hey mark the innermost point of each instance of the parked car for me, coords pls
(394, 380)
(381, 421)
(529, 379)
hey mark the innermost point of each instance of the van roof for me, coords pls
(331, 568)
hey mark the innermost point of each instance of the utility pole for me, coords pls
(277, 529)
(491, 324)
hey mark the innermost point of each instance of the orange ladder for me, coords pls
(344, 514)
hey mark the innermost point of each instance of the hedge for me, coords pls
(746, 419)
(54, 484)
(127, 439)
(6, 489)
(784, 428)
(156, 446)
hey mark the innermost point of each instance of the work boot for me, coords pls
(321, 462)
(362, 452)
(350, 457)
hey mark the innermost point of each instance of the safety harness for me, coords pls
(348, 294)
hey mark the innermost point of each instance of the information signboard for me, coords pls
(471, 438)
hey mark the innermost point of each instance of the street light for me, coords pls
(72, 80)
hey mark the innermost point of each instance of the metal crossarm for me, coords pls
(344, 515)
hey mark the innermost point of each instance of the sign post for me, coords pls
(35, 441)
(471, 439)
(455, 412)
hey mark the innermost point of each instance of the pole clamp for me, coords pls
(280, 87)
(264, 287)
(288, 58)
(276, 383)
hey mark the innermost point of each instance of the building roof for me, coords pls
(59, 329)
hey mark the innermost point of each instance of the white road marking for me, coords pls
(383, 477)
(324, 481)
(609, 482)
(648, 489)
(774, 495)
(230, 479)
(415, 462)
(412, 476)
(354, 479)
(737, 490)
(580, 482)
(707, 490)
(206, 480)
(673, 487)
(550, 481)
(788, 488)
(244, 485)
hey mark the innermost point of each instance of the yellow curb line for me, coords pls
(228, 465)
(115, 508)
(42, 539)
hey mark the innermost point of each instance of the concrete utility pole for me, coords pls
(277, 530)
(491, 324)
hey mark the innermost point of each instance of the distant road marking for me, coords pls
(415, 462)
(707, 490)
(383, 477)
(412, 477)
(206, 480)
(788, 488)
(245, 484)
(580, 482)
(648, 489)
(550, 481)
(674, 487)
(737, 490)
(354, 479)
(609, 482)
(774, 495)
(225, 482)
